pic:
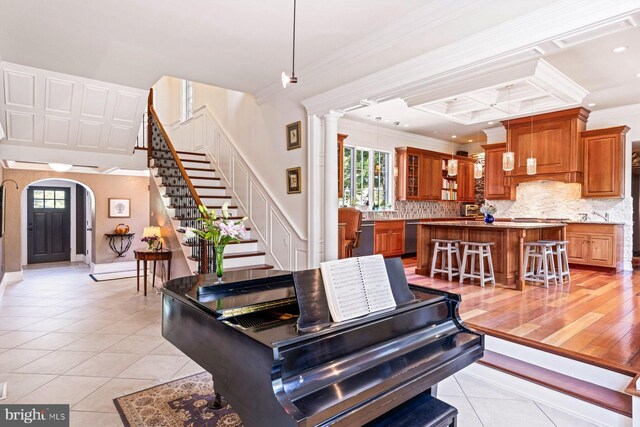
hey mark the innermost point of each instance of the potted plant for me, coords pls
(220, 231)
(488, 211)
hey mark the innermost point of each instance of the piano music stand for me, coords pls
(312, 299)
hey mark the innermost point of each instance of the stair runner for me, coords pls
(243, 255)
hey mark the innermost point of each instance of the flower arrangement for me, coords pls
(151, 241)
(218, 230)
(488, 209)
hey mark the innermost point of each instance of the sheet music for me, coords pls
(376, 283)
(356, 286)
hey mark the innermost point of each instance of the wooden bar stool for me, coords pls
(562, 260)
(483, 251)
(448, 249)
(539, 265)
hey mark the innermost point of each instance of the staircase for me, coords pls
(185, 180)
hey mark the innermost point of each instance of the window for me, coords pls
(187, 100)
(366, 178)
(49, 199)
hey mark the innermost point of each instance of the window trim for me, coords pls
(387, 184)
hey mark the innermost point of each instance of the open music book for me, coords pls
(356, 286)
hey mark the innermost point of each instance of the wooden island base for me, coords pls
(508, 238)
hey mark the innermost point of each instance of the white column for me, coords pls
(331, 185)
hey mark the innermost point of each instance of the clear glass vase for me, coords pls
(219, 260)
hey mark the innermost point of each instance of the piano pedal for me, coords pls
(217, 403)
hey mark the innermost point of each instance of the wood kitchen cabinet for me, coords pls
(554, 139)
(494, 176)
(604, 165)
(598, 245)
(420, 175)
(388, 238)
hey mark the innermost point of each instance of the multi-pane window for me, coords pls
(49, 199)
(366, 178)
(187, 100)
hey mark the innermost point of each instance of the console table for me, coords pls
(124, 240)
(145, 255)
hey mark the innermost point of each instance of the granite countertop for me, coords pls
(497, 224)
(595, 222)
(417, 219)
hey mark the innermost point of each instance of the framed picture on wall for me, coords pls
(119, 208)
(294, 182)
(294, 138)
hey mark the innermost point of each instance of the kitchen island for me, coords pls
(508, 238)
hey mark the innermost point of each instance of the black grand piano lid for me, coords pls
(312, 299)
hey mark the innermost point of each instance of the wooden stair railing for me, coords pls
(184, 199)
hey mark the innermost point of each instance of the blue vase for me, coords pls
(488, 218)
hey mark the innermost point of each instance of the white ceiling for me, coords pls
(609, 78)
(242, 45)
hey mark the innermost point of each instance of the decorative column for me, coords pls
(331, 185)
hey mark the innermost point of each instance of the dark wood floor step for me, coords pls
(191, 218)
(207, 187)
(181, 231)
(195, 161)
(189, 168)
(595, 394)
(247, 267)
(231, 243)
(210, 178)
(237, 255)
(208, 207)
(192, 153)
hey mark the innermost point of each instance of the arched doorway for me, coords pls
(39, 200)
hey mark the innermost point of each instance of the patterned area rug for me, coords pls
(181, 402)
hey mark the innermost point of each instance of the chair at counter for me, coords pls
(352, 218)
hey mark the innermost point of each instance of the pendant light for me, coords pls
(532, 163)
(508, 158)
(452, 165)
(291, 79)
(477, 166)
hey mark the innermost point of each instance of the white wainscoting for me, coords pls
(284, 244)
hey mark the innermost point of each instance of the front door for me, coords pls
(48, 224)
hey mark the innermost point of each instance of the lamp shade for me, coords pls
(151, 231)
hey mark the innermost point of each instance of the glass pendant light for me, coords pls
(532, 163)
(477, 167)
(452, 165)
(508, 158)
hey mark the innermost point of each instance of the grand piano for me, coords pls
(275, 355)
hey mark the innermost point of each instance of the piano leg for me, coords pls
(218, 401)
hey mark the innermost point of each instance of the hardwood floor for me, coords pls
(595, 317)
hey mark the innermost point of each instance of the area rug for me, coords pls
(181, 402)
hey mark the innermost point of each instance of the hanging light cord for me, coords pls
(293, 62)
(531, 143)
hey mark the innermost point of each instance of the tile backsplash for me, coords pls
(409, 209)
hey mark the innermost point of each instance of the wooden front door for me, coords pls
(48, 224)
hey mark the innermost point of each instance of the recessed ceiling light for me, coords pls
(591, 104)
(454, 136)
(638, 75)
(435, 131)
(386, 120)
(406, 126)
(620, 49)
(489, 123)
(470, 140)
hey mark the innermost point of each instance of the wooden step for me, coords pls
(248, 267)
(201, 197)
(180, 230)
(191, 153)
(230, 243)
(236, 218)
(595, 394)
(236, 255)
(195, 161)
(198, 169)
(209, 187)
(208, 207)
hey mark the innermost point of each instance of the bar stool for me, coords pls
(483, 251)
(539, 265)
(562, 260)
(448, 249)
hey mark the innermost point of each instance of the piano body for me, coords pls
(275, 356)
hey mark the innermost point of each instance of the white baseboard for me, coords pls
(10, 277)
(78, 258)
(627, 266)
(113, 267)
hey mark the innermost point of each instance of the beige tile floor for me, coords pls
(67, 339)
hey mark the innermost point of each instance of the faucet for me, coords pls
(605, 216)
(583, 217)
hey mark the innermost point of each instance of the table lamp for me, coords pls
(151, 231)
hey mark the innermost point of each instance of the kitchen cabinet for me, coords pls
(598, 245)
(341, 138)
(494, 176)
(388, 238)
(604, 165)
(421, 176)
(553, 139)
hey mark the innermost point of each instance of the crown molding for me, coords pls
(631, 109)
(495, 134)
(434, 13)
(486, 49)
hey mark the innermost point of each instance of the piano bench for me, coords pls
(423, 410)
